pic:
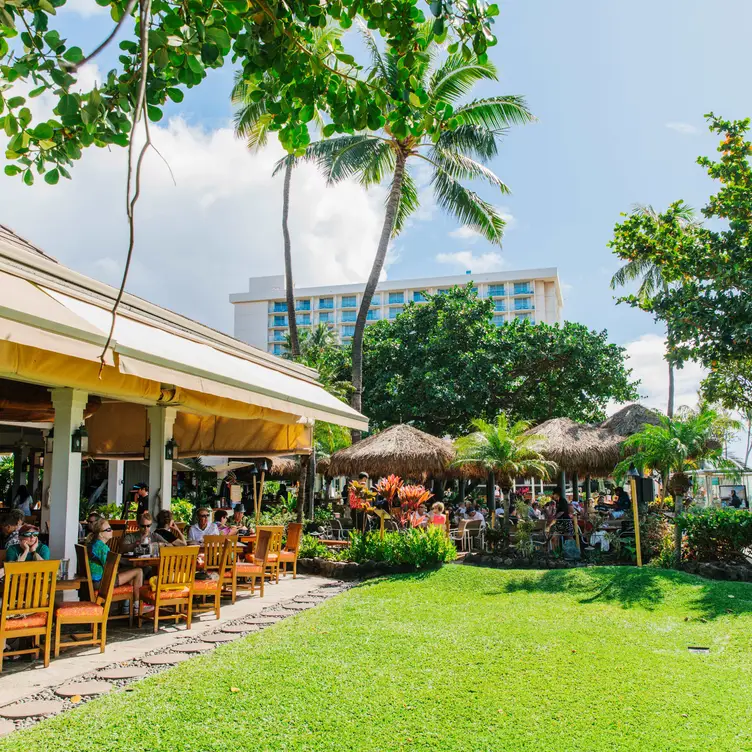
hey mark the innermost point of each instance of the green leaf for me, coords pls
(176, 95)
(12, 170)
(52, 177)
(43, 131)
(36, 92)
(314, 11)
(28, 177)
(345, 58)
(492, 10)
(74, 55)
(414, 99)
(220, 36)
(14, 102)
(68, 105)
(329, 130)
(195, 65)
(154, 113)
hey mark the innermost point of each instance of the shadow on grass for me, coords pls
(629, 587)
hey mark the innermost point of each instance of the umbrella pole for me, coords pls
(255, 501)
(260, 497)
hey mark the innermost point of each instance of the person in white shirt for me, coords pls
(474, 515)
(202, 527)
(23, 501)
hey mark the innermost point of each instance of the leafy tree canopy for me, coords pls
(441, 364)
(171, 47)
(706, 305)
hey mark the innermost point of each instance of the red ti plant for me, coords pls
(411, 497)
(360, 496)
(389, 487)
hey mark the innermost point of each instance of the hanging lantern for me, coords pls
(147, 450)
(49, 441)
(80, 440)
(171, 450)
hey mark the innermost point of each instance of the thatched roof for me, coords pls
(578, 447)
(631, 419)
(278, 468)
(400, 449)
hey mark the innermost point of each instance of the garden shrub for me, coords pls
(182, 510)
(418, 548)
(311, 547)
(717, 534)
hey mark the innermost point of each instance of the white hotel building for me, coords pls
(261, 313)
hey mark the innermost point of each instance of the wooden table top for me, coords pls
(73, 584)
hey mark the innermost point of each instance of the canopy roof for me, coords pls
(631, 419)
(400, 449)
(54, 323)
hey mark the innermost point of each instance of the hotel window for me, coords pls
(277, 350)
(278, 306)
(279, 320)
(349, 316)
(372, 315)
(326, 318)
(326, 304)
(522, 288)
(396, 298)
(495, 291)
(279, 336)
(500, 305)
(304, 319)
(523, 304)
(348, 331)
(474, 290)
(376, 300)
(444, 291)
(349, 301)
(419, 297)
(499, 320)
(303, 305)
(394, 312)
(525, 317)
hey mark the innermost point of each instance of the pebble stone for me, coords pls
(123, 672)
(31, 709)
(162, 659)
(6, 727)
(83, 688)
(191, 647)
(238, 628)
(218, 637)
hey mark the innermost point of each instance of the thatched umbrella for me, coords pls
(401, 449)
(631, 419)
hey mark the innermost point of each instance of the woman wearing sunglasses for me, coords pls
(101, 533)
(28, 547)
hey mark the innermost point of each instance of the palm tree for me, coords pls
(252, 122)
(468, 136)
(650, 275)
(675, 446)
(504, 450)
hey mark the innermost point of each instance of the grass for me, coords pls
(459, 659)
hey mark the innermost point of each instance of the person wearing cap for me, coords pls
(28, 547)
(10, 524)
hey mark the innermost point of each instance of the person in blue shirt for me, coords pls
(101, 532)
(28, 547)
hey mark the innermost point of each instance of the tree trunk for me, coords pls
(312, 485)
(678, 509)
(305, 461)
(289, 291)
(491, 500)
(575, 486)
(461, 491)
(670, 409)
(378, 264)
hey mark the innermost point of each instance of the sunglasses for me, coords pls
(203, 516)
(106, 530)
(30, 535)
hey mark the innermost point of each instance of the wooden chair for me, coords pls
(256, 568)
(93, 611)
(177, 572)
(120, 593)
(275, 546)
(213, 549)
(115, 544)
(204, 589)
(28, 603)
(182, 526)
(289, 554)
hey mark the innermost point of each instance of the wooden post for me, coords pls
(491, 498)
(636, 516)
(575, 486)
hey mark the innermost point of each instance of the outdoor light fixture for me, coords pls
(254, 469)
(80, 440)
(147, 450)
(49, 441)
(633, 472)
(25, 466)
(264, 466)
(171, 450)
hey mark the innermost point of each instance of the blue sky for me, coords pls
(620, 89)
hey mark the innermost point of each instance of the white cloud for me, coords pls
(645, 358)
(200, 240)
(506, 214)
(684, 128)
(466, 260)
(84, 8)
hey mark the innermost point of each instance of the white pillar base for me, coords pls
(161, 422)
(115, 471)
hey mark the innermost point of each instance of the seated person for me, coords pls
(202, 526)
(240, 520)
(167, 528)
(419, 518)
(220, 520)
(144, 536)
(98, 550)
(475, 515)
(28, 548)
(437, 516)
(534, 512)
(10, 523)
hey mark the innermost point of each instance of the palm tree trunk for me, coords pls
(670, 409)
(289, 291)
(305, 461)
(378, 264)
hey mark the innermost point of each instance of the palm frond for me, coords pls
(474, 140)
(348, 156)
(461, 167)
(281, 165)
(378, 63)
(496, 113)
(456, 77)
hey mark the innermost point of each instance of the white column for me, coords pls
(115, 470)
(46, 482)
(532, 486)
(65, 486)
(161, 422)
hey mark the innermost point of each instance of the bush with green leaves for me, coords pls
(311, 547)
(716, 534)
(419, 548)
(182, 510)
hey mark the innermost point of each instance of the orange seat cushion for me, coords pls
(122, 590)
(249, 569)
(30, 621)
(205, 586)
(149, 595)
(82, 608)
(287, 555)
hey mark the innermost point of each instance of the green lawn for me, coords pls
(460, 659)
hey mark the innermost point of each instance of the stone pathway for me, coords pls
(182, 646)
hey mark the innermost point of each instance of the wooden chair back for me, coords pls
(109, 580)
(83, 568)
(115, 543)
(177, 568)
(294, 535)
(213, 547)
(131, 526)
(275, 538)
(263, 545)
(228, 555)
(29, 589)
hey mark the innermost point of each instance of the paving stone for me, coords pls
(310, 599)
(123, 672)
(262, 620)
(6, 727)
(278, 614)
(192, 647)
(222, 637)
(162, 659)
(239, 628)
(297, 606)
(83, 688)
(31, 709)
